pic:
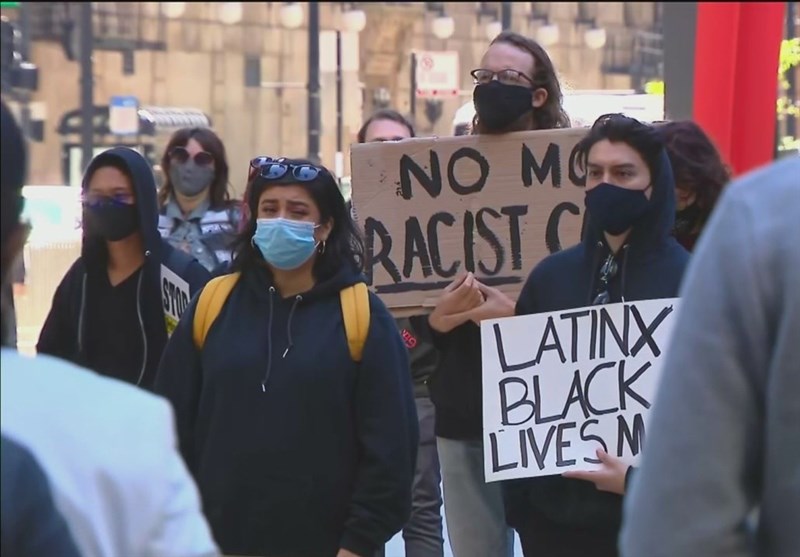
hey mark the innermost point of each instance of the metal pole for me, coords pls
(413, 99)
(791, 75)
(505, 16)
(87, 84)
(25, 53)
(314, 109)
(339, 107)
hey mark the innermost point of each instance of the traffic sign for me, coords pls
(438, 74)
(123, 115)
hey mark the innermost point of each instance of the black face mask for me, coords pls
(687, 219)
(616, 209)
(499, 105)
(110, 220)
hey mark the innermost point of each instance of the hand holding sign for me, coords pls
(611, 477)
(495, 306)
(458, 298)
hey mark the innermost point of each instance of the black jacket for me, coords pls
(651, 264)
(64, 330)
(422, 353)
(323, 456)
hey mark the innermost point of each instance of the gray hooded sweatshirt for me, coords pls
(724, 437)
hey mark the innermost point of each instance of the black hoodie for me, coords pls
(322, 457)
(651, 264)
(64, 331)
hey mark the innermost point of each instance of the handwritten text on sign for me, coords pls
(175, 297)
(432, 208)
(556, 386)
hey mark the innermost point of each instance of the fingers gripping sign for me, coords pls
(610, 477)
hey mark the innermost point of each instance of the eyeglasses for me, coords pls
(95, 199)
(607, 272)
(507, 77)
(271, 169)
(181, 155)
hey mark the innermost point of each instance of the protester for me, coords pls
(423, 532)
(197, 215)
(31, 524)
(627, 253)
(700, 175)
(516, 89)
(734, 444)
(112, 310)
(301, 433)
(107, 448)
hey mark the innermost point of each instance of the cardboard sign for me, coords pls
(556, 386)
(175, 297)
(433, 208)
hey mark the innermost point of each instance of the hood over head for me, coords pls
(144, 187)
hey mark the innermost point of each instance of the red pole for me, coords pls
(735, 78)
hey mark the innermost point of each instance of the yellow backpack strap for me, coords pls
(355, 312)
(209, 304)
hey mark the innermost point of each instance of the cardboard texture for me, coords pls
(433, 208)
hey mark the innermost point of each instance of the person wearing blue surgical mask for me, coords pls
(299, 446)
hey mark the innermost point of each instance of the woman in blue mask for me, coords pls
(627, 253)
(299, 446)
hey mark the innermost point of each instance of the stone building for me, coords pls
(245, 66)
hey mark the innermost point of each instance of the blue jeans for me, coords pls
(474, 511)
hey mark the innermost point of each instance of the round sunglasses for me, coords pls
(181, 156)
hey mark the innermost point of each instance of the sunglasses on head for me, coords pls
(271, 169)
(181, 155)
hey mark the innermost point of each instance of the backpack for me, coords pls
(354, 301)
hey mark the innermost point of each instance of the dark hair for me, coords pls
(210, 141)
(344, 245)
(618, 128)
(551, 114)
(385, 114)
(696, 163)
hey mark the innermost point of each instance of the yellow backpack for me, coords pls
(354, 300)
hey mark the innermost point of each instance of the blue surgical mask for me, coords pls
(285, 244)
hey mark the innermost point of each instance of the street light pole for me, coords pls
(87, 84)
(505, 16)
(314, 109)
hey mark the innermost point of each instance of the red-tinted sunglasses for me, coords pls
(181, 155)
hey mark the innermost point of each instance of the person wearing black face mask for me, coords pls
(516, 89)
(110, 312)
(627, 253)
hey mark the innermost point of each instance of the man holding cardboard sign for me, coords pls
(627, 255)
(454, 224)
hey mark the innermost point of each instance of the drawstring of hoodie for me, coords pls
(624, 269)
(297, 300)
(269, 340)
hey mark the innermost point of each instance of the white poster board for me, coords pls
(556, 386)
(175, 297)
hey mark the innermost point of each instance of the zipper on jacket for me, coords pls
(81, 311)
(141, 324)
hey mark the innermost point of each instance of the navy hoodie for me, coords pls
(65, 328)
(651, 264)
(322, 457)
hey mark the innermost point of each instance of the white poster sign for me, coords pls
(175, 297)
(557, 386)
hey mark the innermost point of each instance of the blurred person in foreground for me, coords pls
(724, 435)
(423, 532)
(30, 524)
(108, 449)
(516, 89)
